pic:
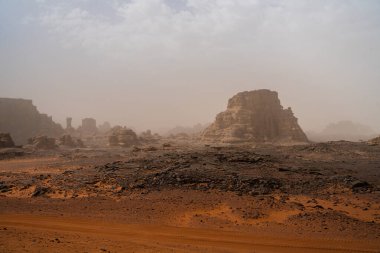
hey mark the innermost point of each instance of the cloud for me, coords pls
(136, 28)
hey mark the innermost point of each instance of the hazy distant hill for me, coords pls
(187, 130)
(343, 130)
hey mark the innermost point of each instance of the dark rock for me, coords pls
(360, 186)
(40, 191)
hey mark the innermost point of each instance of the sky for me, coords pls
(154, 64)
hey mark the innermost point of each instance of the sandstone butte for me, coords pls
(255, 117)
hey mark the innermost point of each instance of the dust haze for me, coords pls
(190, 126)
(160, 64)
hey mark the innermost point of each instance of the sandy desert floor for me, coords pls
(314, 198)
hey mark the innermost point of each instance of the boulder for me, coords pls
(255, 117)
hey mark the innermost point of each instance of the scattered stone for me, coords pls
(40, 191)
(4, 187)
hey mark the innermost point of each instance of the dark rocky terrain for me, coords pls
(317, 190)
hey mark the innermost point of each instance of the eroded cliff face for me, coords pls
(255, 116)
(21, 119)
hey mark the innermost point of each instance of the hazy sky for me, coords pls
(158, 63)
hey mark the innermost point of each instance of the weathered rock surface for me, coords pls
(122, 136)
(6, 141)
(21, 119)
(255, 116)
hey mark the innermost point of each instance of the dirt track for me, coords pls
(166, 239)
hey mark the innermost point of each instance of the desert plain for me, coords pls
(182, 197)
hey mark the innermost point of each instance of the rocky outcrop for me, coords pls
(122, 136)
(42, 142)
(21, 119)
(71, 142)
(6, 141)
(256, 117)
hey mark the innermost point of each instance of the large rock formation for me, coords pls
(255, 116)
(21, 119)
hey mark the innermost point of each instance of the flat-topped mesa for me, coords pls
(255, 116)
